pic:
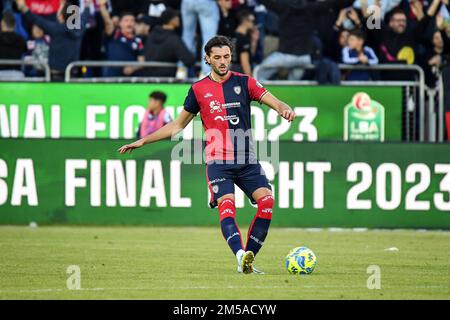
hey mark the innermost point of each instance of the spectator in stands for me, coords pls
(121, 44)
(395, 42)
(339, 38)
(155, 116)
(206, 12)
(65, 42)
(244, 44)
(165, 45)
(38, 48)
(296, 34)
(228, 21)
(142, 27)
(437, 54)
(12, 46)
(356, 53)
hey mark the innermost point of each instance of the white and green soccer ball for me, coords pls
(301, 260)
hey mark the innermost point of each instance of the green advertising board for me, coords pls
(63, 110)
(81, 181)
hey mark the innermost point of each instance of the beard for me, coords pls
(219, 72)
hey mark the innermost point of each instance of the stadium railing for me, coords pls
(418, 83)
(69, 77)
(22, 63)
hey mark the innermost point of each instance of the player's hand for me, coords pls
(130, 147)
(288, 114)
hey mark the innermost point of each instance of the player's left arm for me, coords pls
(283, 109)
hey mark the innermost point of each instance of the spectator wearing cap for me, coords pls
(142, 27)
(165, 45)
(12, 46)
(155, 116)
(65, 42)
(122, 44)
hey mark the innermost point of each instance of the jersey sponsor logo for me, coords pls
(237, 90)
(231, 105)
(233, 119)
(215, 106)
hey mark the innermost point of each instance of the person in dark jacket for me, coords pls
(297, 23)
(12, 46)
(163, 44)
(65, 42)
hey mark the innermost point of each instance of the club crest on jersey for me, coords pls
(215, 106)
(237, 89)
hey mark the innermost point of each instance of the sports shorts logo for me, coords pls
(215, 106)
(259, 84)
(233, 119)
(237, 89)
(215, 188)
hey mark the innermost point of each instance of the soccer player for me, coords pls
(223, 100)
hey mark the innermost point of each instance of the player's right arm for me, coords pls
(167, 131)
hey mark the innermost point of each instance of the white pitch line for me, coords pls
(326, 287)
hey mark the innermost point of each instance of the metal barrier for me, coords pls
(154, 64)
(420, 84)
(46, 78)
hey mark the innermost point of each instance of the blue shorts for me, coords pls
(222, 177)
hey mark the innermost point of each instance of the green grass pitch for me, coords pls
(195, 263)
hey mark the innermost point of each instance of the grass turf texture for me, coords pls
(195, 263)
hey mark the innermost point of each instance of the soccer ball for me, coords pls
(301, 260)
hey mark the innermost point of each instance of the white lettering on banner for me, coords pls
(34, 125)
(96, 183)
(114, 122)
(176, 200)
(318, 170)
(153, 184)
(120, 184)
(3, 184)
(72, 181)
(92, 124)
(285, 185)
(9, 129)
(132, 115)
(24, 184)
(393, 200)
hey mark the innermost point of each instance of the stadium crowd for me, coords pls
(281, 36)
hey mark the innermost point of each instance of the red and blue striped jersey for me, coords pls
(225, 112)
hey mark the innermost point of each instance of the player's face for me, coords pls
(219, 59)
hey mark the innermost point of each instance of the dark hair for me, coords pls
(358, 34)
(168, 15)
(393, 12)
(243, 15)
(9, 20)
(125, 13)
(218, 41)
(158, 95)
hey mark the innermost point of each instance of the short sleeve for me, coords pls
(191, 103)
(256, 89)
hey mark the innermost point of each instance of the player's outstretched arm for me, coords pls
(170, 129)
(279, 106)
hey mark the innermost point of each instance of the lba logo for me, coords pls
(363, 119)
